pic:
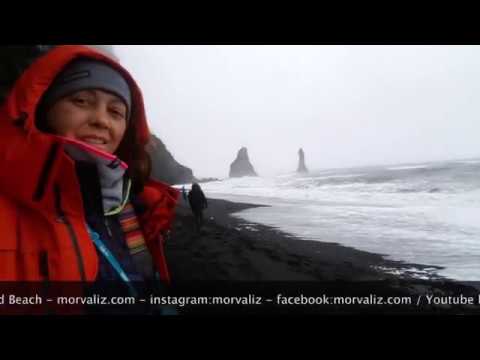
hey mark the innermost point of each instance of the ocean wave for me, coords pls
(338, 176)
(469, 162)
(411, 167)
(419, 190)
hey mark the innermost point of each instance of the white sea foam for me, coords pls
(431, 220)
(412, 167)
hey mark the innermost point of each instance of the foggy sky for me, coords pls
(344, 105)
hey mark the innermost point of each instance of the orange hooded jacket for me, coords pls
(42, 223)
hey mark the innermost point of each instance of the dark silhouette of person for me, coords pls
(198, 202)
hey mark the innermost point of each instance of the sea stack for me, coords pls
(302, 168)
(242, 166)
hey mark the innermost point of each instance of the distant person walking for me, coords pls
(198, 202)
(184, 193)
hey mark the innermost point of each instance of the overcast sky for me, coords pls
(345, 105)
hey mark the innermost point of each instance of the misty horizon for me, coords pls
(346, 106)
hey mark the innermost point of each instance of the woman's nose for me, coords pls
(99, 117)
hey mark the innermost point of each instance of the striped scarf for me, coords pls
(131, 229)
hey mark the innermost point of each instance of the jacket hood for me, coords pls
(22, 143)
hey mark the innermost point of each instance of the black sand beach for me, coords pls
(231, 251)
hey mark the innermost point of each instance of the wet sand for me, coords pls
(231, 250)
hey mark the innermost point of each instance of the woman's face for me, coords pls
(95, 117)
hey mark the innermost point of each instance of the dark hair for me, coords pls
(135, 155)
(196, 187)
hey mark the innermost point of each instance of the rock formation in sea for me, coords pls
(241, 166)
(302, 168)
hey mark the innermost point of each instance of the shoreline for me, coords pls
(230, 249)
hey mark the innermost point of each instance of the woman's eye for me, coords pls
(118, 113)
(80, 101)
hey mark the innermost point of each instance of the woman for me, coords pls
(76, 200)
